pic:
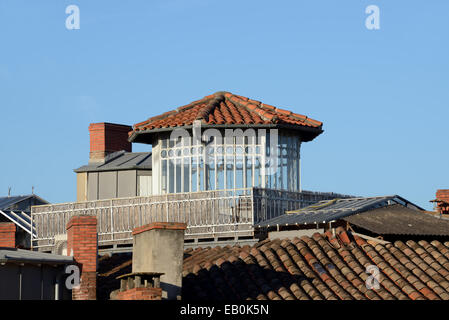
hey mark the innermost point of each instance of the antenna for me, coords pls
(32, 190)
(9, 192)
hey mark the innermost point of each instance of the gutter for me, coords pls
(32, 261)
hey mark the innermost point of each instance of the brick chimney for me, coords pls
(159, 247)
(7, 234)
(82, 244)
(442, 201)
(106, 138)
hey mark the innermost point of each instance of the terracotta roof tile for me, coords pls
(310, 268)
(225, 108)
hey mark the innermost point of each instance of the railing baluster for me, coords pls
(212, 212)
(112, 222)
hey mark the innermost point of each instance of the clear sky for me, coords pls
(383, 95)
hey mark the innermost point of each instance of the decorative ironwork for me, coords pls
(208, 214)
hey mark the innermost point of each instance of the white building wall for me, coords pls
(156, 169)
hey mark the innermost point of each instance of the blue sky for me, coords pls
(383, 95)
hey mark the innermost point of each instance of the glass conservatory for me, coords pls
(228, 142)
(228, 163)
(220, 164)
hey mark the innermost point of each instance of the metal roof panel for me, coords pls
(6, 202)
(328, 210)
(121, 161)
(20, 255)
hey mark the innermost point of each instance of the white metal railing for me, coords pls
(208, 214)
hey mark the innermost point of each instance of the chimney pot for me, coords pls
(159, 247)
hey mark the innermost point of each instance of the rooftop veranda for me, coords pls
(219, 187)
(211, 216)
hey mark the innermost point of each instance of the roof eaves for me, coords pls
(312, 132)
(25, 256)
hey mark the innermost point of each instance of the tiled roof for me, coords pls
(399, 220)
(318, 267)
(224, 108)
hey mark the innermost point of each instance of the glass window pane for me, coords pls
(257, 172)
(295, 174)
(220, 173)
(194, 174)
(239, 172)
(284, 172)
(249, 172)
(186, 141)
(298, 181)
(171, 176)
(229, 173)
(186, 175)
(201, 173)
(210, 170)
(178, 175)
(279, 170)
(164, 176)
(284, 141)
(290, 171)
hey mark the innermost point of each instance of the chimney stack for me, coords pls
(82, 244)
(7, 234)
(442, 200)
(106, 138)
(159, 247)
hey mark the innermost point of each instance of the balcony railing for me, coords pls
(208, 214)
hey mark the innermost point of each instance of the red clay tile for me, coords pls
(227, 109)
(306, 268)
